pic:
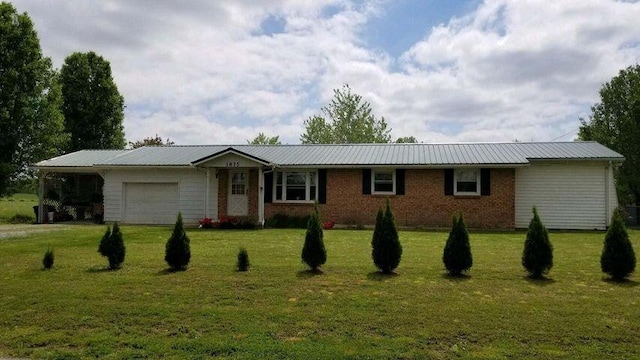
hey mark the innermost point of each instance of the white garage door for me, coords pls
(150, 203)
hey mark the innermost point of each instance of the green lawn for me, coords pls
(17, 204)
(276, 310)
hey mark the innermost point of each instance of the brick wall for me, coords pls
(423, 205)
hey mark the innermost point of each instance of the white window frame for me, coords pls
(373, 181)
(284, 173)
(466, 193)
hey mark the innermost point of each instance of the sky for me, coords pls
(220, 72)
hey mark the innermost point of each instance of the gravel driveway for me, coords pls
(22, 230)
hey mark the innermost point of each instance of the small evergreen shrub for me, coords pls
(618, 259)
(313, 252)
(457, 251)
(385, 243)
(537, 256)
(112, 247)
(178, 252)
(243, 260)
(47, 260)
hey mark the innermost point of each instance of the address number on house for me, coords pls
(233, 164)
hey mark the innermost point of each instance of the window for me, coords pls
(467, 182)
(383, 181)
(238, 183)
(296, 185)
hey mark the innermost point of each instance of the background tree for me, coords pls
(615, 123)
(457, 251)
(618, 258)
(537, 257)
(314, 253)
(178, 249)
(31, 125)
(347, 120)
(92, 106)
(407, 140)
(386, 248)
(151, 141)
(263, 139)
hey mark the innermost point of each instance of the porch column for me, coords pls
(207, 192)
(260, 196)
(41, 176)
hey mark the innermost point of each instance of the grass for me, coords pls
(18, 204)
(78, 309)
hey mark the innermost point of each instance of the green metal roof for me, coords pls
(425, 155)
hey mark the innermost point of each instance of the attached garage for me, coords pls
(150, 203)
(568, 195)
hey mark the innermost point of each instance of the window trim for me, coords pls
(373, 181)
(284, 186)
(478, 191)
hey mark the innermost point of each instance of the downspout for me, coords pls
(261, 174)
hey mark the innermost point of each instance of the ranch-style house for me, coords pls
(495, 185)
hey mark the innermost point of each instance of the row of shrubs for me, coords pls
(617, 259)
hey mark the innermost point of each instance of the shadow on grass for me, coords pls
(96, 269)
(309, 273)
(379, 276)
(171, 271)
(623, 283)
(457, 278)
(540, 281)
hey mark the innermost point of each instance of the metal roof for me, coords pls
(434, 155)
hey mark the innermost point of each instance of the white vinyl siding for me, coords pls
(568, 195)
(191, 191)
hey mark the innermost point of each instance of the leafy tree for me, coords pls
(537, 257)
(178, 250)
(457, 251)
(112, 246)
(263, 139)
(47, 260)
(31, 124)
(618, 258)
(151, 141)
(386, 248)
(243, 260)
(313, 252)
(347, 119)
(407, 140)
(92, 106)
(615, 123)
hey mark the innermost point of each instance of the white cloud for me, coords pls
(208, 72)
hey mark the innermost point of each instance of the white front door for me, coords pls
(238, 203)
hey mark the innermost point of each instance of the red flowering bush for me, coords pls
(206, 223)
(328, 224)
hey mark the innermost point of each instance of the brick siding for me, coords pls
(423, 205)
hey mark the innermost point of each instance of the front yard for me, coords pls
(276, 310)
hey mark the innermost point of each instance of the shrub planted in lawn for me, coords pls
(457, 251)
(313, 252)
(618, 258)
(47, 261)
(385, 243)
(178, 252)
(243, 260)
(112, 246)
(537, 257)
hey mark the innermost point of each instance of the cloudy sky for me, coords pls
(220, 72)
